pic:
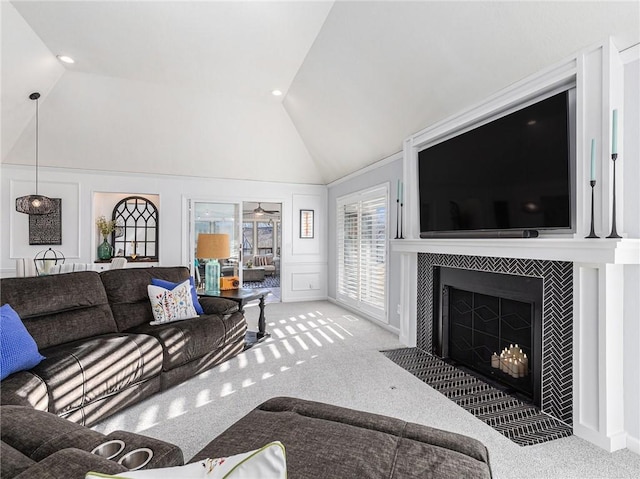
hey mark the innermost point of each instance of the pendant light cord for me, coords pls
(37, 123)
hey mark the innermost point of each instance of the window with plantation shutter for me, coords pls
(362, 251)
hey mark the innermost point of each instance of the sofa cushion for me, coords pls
(61, 308)
(126, 290)
(185, 341)
(18, 350)
(213, 305)
(84, 371)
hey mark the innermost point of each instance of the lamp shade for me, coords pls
(214, 246)
(35, 204)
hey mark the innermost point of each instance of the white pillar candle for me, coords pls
(495, 361)
(523, 369)
(48, 263)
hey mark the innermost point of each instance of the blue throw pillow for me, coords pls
(169, 285)
(18, 350)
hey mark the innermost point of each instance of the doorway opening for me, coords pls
(261, 246)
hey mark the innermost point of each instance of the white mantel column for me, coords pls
(598, 345)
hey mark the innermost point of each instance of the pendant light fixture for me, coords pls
(35, 204)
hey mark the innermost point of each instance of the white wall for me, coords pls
(78, 189)
(631, 200)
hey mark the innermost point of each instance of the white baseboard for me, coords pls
(7, 273)
(633, 444)
(375, 321)
(611, 443)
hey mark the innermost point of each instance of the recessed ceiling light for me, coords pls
(276, 93)
(65, 59)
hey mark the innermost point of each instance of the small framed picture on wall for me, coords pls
(306, 223)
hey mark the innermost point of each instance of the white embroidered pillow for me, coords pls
(171, 304)
(268, 462)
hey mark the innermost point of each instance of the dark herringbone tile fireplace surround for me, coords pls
(557, 344)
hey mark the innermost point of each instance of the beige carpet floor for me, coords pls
(322, 352)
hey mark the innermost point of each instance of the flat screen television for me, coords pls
(508, 177)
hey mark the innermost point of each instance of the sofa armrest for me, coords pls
(12, 461)
(212, 305)
(70, 464)
(25, 389)
(164, 454)
(38, 434)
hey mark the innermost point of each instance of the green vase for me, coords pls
(105, 251)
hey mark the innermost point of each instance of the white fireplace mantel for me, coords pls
(605, 271)
(601, 251)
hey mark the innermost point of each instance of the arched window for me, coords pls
(136, 233)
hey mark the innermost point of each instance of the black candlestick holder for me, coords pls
(592, 233)
(397, 218)
(614, 233)
(401, 209)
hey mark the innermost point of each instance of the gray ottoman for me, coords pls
(327, 441)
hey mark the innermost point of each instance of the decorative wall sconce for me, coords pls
(35, 204)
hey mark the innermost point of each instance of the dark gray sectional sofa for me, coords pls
(102, 355)
(101, 352)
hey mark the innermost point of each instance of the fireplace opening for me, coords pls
(491, 325)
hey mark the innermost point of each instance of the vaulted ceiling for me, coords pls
(185, 87)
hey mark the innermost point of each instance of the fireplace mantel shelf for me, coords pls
(607, 251)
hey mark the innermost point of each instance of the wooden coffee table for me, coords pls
(242, 296)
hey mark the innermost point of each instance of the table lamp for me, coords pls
(212, 247)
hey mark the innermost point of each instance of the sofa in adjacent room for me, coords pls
(101, 352)
(266, 261)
